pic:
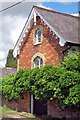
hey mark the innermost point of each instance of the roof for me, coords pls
(7, 71)
(65, 26)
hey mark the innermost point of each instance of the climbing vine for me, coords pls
(49, 82)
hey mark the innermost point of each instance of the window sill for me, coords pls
(37, 43)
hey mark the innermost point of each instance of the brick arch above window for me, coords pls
(35, 56)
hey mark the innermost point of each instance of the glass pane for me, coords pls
(38, 35)
(39, 39)
(38, 62)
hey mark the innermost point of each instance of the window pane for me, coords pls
(38, 35)
(38, 62)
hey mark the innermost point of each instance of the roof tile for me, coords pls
(67, 26)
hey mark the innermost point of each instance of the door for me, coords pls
(40, 107)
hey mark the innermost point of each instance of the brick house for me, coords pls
(45, 39)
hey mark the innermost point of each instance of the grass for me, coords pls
(7, 112)
(4, 111)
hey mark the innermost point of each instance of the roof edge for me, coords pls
(41, 8)
(65, 14)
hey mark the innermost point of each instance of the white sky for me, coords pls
(11, 23)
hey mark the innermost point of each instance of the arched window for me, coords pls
(38, 35)
(38, 62)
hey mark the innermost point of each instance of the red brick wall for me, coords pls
(53, 108)
(19, 105)
(57, 112)
(49, 47)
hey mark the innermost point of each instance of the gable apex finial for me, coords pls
(34, 17)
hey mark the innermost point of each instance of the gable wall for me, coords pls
(49, 47)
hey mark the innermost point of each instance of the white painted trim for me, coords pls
(36, 43)
(34, 56)
(32, 107)
(51, 28)
(34, 18)
(27, 26)
(21, 40)
(29, 102)
(18, 64)
(15, 52)
(62, 42)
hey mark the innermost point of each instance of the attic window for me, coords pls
(38, 36)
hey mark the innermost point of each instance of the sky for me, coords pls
(12, 20)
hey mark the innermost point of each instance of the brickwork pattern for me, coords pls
(56, 111)
(19, 105)
(49, 48)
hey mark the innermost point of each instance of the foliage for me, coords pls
(8, 87)
(11, 61)
(61, 82)
(0, 85)
(72, 62)
(74, 95)
(69, 81)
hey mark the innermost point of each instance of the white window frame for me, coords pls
(39, 66)
(36, 41)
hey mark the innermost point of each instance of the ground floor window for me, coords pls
(38, 62)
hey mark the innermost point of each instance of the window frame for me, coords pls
(36, 41)
(37, 55)
(38, 60)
